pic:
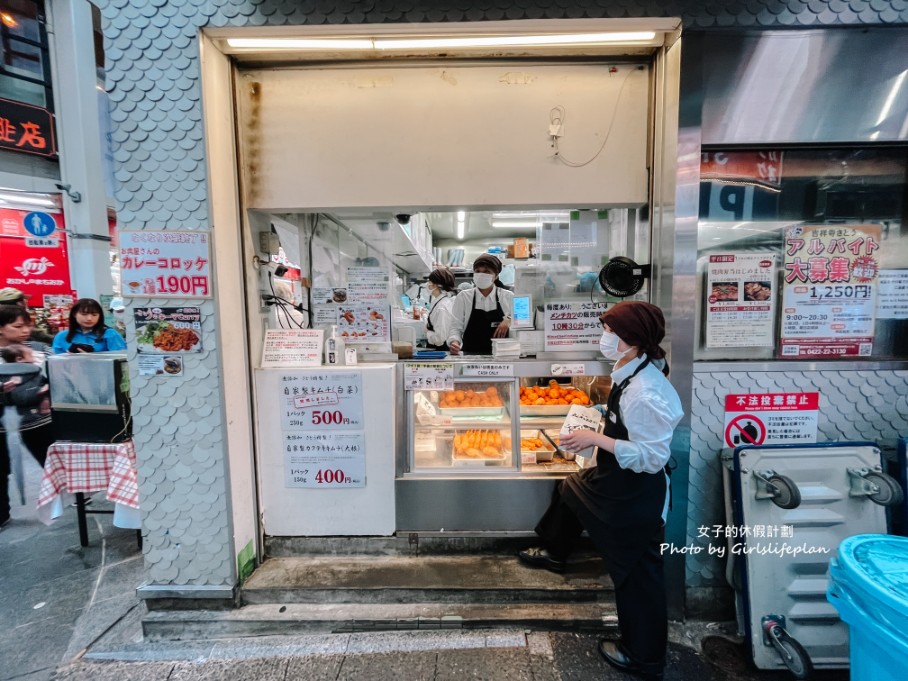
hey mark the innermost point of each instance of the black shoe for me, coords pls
(3, 521)
(539, 558)
(613, 653)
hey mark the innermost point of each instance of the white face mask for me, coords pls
(482, 280)
(608, 346)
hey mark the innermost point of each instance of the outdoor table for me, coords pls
(84, 467)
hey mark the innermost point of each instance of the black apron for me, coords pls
(621, 510)
(477, 337)
(430, 327)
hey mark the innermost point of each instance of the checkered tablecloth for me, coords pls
(91, 467)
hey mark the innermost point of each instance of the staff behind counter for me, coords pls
(481, 313)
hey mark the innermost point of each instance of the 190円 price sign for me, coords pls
(166, 264)
(321, 401)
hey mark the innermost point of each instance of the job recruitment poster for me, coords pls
(740, 300)
(831, 286)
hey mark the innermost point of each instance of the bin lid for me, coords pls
(877, 565)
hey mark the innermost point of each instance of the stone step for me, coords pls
(422, 579)
(307, 618)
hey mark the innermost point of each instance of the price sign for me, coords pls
(167, 264)
(324, 460)
(321, 401)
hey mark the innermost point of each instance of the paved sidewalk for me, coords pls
(71, 614)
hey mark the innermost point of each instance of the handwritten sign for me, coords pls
(167, 264)
(322, 400)
(324, 460)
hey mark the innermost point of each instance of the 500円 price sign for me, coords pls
(322, 401)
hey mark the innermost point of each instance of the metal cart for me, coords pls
(788, 507)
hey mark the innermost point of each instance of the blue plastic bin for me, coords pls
(869, 587)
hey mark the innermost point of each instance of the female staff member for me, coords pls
(483, 312)
(440, 318)
(622, 502)
(37, 433)
(87, 331)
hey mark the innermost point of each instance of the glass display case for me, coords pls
(501, 425)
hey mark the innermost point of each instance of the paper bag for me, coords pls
(580, 417)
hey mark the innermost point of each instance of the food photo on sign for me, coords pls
(168, 330)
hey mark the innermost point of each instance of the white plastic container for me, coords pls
(334, 348)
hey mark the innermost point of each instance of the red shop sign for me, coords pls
(26, 128)
(37, 266)
(761, 167)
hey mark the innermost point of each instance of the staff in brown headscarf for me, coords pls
(622, 501)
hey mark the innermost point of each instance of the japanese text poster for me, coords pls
(322, 429)
(831, 284)
(573, 324)
(771, 419)
(740, 302)
(167, 264)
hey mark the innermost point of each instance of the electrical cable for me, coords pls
(558, 114)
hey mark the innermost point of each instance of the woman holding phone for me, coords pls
(87, 331)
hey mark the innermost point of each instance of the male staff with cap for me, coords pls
(483, 312)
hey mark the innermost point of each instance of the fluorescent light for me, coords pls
(515, 41)
(461, 215)
(461, 228)
(497, 224)
(441, 42)
(301, 44)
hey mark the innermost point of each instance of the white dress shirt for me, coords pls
(464, 306)
(442, 318)
(650, 409)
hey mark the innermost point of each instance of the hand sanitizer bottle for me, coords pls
(331, 347)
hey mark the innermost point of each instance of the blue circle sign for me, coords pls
(39, 224)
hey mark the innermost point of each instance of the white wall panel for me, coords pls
(321, 138)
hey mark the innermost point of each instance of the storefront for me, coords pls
(326, 155)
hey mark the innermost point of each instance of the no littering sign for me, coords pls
(771, 418)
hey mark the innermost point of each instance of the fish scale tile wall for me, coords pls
(152, 75)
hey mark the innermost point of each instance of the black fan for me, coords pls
(622, 277)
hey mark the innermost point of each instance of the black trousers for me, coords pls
(639, 597)
(38, 440)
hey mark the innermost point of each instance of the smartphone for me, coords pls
(81, 347)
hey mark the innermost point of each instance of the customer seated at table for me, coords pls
(36, 430)
(87, 331)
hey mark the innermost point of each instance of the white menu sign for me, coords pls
(292, 347)
(893, 298)
(322, 429)
(740, 302)
(573, 324)
(364, 323)
(326, 400)
(367, 285)
(324, 460)
(166, 264)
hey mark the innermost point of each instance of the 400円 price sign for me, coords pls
(324, 460)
